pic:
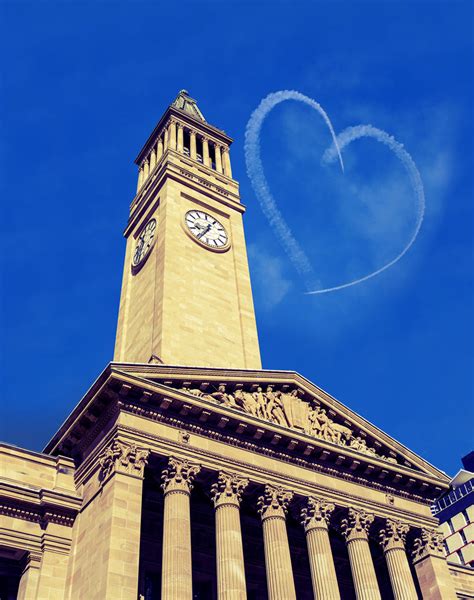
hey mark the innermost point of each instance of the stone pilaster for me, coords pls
(176, 574)
(392, 540)
(431, 567)
(315, 519)
(226, 494)
(273, 505)
(152, 159)
(29, 579)
(355, 529)
(159, 149)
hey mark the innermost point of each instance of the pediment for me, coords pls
(285, 401)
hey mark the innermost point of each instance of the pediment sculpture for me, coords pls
(289, 410)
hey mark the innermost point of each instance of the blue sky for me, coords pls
(83, 85)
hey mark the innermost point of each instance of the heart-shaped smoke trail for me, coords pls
(257, 176)
(277, 221)
(354, 133)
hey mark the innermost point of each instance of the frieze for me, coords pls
(251, 446)
(288, 410)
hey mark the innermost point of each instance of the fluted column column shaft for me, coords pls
(355, 529)
(392, 539)
(192, 145)
(401, 578)
(278, 560)
(273, 506)
(230, 554)
(363, 571)
(177, 568)
(323, 572)
(152, 159)
(217, 153)
(159, 150)
(226, 493)
(176, 574)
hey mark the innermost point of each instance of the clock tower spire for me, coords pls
(186, 296)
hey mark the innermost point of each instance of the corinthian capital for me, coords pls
(123, 457)
(356, 525)
(179, 475)
(393, 535)
(316, 514)
(228, 489)
(429, 543)
(274, 502)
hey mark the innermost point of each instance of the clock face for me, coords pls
(144, 242)
(206, 229)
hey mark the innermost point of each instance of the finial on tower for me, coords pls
(188, 105)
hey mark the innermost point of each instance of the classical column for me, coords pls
(180, 138)
(355, 531)
(152, 158)
(315, 519)
(176, 571)
(166, 138)
(192, 145)
(140, 178)
(273, 506)
(159, 150)
(431, 568)
(146, 170)
(172, 135)
(217, 152)
(205, 152)
(226, 494)
(392, 540)
(226, 161)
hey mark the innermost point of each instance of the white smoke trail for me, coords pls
(353, 133)
(257, 176)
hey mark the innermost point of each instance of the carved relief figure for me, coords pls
(288, 410)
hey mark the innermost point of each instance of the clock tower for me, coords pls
(186, 296)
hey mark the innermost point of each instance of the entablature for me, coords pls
(224, 405)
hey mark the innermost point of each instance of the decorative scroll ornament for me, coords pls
(430, 543)
(393, 535)
(316, 514)
(274, 502)
(179, 475)
(288, 410)
(123, 457)
(356, 525)
(228, 489)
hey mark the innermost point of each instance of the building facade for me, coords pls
(187, 471)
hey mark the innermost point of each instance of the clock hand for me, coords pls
(199, 236)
